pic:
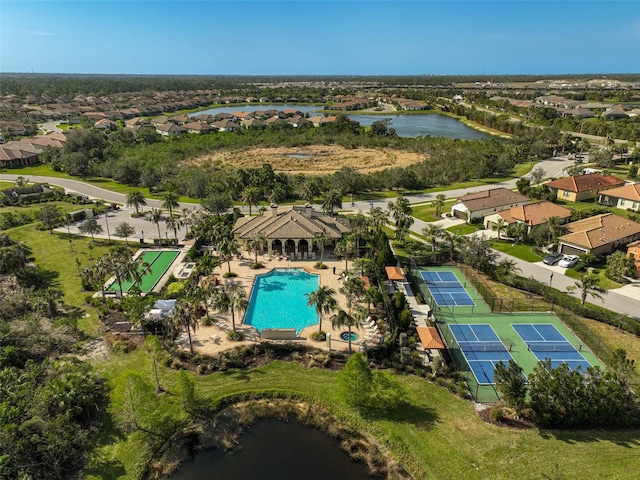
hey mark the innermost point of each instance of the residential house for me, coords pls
(16, 158)
(291, 231)
(598, 235)
(633, 251)
(478, 205)
(614, 113)
(105, 124)
(627, 197)
(532, 214)
(170, 129)
(583, 187)
(198, 127)
(137, 122)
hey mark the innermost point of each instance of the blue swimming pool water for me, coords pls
(278, 300)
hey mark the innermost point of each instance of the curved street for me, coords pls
(626, 302)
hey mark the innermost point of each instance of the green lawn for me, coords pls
(434, 434)
(64, 206)
(605, 282)
(426, 211)
(588, 204)
(4, 185)
(518, 250)
(52, 253)
(463, 229)
(106, 183)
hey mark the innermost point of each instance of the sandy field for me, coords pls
(315, 159)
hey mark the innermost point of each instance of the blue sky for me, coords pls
(320, 37)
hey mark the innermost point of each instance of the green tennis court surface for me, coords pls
(509, 328)
(159, 262)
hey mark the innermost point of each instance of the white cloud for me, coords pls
(39, 33)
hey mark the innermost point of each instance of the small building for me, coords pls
(533, 215)
(479, 205)
(627, 197)
(598, 235)
(583, 187)
(170, 129)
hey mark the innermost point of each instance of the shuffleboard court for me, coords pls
(546, 342)
(159, 262)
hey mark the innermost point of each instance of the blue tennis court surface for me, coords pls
(546, 342)
(482, 349)
(446, 289)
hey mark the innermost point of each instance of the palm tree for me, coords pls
(519, 231)
(124, 267)
(352, 288)
(231, 298)
(619, 265)
(174, 222)
(401, 212)
(433, 232)
(227, 248)
(499, 225)
(378, 218)
(332, 200)
(553, 224)
(170, 200)
(453, 240)
(364, 264)
(156, 217)
(251, 196)
(185, 316)
(343, 319)
(439, 203)
(588, 285)
(344, 248)
(136, 200)
(308, 190)
(323, 299)
(322, 239)
(257, 244)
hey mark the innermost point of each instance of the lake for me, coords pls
(276, 450)
(417, 125)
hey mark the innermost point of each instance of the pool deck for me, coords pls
(212, 339)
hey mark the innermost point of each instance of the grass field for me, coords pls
(64, 206)
(434, 434)
(106, 183)
(605, 282)
(518, 250)
(52, 253)
(426, 211)
(464, 229)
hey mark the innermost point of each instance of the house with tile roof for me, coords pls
(583, 187)
(170, 129)
(532, 215)
(633, 251)
(599, 235)
(627, 197)
(479, 205)
(291, 231)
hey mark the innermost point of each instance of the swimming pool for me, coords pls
(278, 300)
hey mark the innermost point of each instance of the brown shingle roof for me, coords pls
(583, 183)
(628, 192)
(497, 197)
(599, 230)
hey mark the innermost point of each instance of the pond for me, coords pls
(276, 450)
(417, 125)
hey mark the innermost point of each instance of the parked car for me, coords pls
(569, 261)
(553, 258)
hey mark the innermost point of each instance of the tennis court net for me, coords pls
(445, 285)
(552, 347)
(482, 346)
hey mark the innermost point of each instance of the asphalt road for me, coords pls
(553, 166)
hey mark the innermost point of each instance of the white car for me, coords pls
(569, 261)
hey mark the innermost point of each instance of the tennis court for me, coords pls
(159, 262)
(546, 342)
(446, 289)
(482, 349)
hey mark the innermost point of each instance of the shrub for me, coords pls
(496, 413)
(320, 266)
(257, 265)
(234, 336)
(206, 322)
(319, 336)
(230, 274)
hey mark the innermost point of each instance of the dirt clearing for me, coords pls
(315, 159)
